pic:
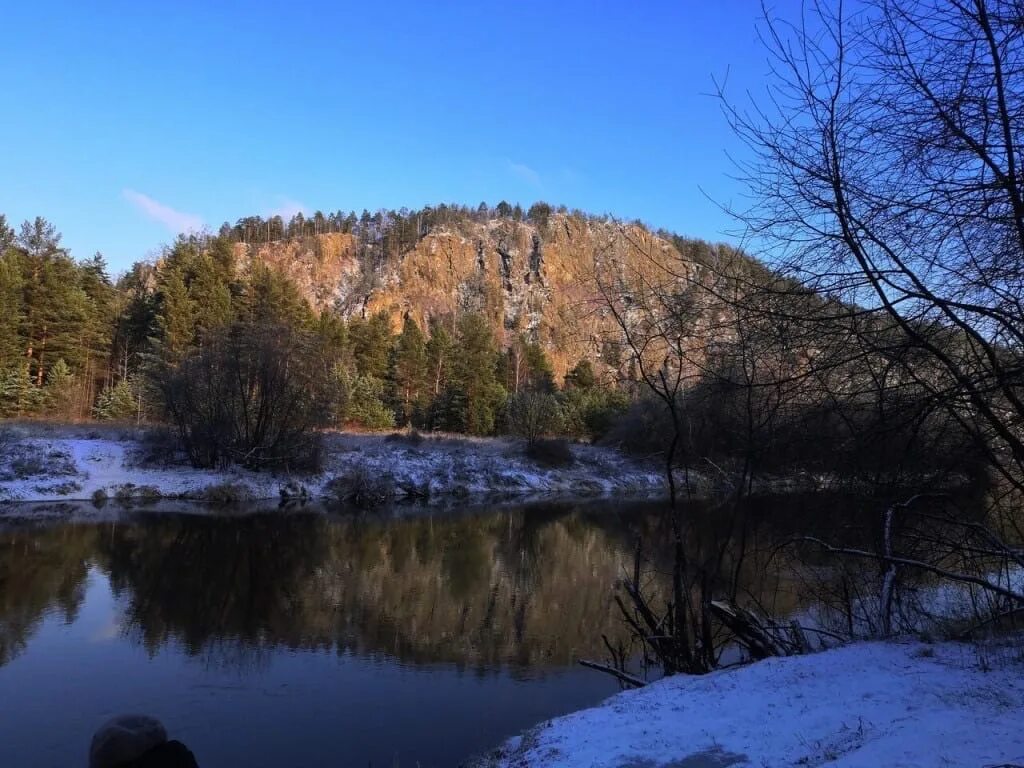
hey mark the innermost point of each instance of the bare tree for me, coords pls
(886, 171)
(885, 167)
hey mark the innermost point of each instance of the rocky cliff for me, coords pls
(526, 278)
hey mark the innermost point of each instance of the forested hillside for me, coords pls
(431, 317)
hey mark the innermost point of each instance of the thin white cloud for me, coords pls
(175, 221)
(524, 173)
(287, 208)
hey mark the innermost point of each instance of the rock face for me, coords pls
(526, 279)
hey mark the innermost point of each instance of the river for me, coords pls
(301, 638)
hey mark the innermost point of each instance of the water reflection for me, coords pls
(248, 632)
(526, 588)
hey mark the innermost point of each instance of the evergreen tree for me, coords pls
(119, 402)
(7, 236)
(12, 349)
(364, 403)
(59, 393)
(439, 351)
(371, 345)
(581, 376)
(210, 294)
(97, 333)
(271, 298)
(19, 396)
(527, 368)
(474, 393)
(176, 316)
(409, 371)
(44, 297)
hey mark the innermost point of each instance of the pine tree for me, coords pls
(7, 236)
(43, 285)
(409, 371)
(475, 394)
(19, 396)
(439, 351)
(176, 316)
(541, 377)
(210, 293)
(12, 315)
(581, 376)
(371, 345)
(59, 393)
(270, 298)
(97, 333)
(119, 402)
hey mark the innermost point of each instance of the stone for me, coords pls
(124, 739)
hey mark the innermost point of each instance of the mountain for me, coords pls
(527, 277)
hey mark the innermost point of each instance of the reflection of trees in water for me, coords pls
(526, 587)
(42, 570)
(196, 579)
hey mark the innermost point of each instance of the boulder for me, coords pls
(124, 739)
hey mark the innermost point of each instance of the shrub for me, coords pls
(157, 447)
(643, 428)
(144, 494)
(28, 465)
(147, 494)
(252, 395)
(412, 437)
(361, 487)
(99, 497)
(60, 489)
(592, 413)
(225, 494)
(124, 493)
(532, 415)
(550, 453)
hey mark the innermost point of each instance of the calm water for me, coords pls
(296, 639)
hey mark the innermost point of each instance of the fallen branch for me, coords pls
(952, 575)
(625, 677)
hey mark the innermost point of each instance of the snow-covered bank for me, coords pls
(51, 464)
(868, 704)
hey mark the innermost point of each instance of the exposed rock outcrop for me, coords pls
(525, 279)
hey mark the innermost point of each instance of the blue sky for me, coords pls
(123, 122)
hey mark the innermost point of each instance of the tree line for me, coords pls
(398, 229)
(192, 335)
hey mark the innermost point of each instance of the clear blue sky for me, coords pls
(124, 121)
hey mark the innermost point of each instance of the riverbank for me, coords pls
(866, 704)
(65, 463)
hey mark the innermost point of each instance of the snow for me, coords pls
(72, 464)
(867, 704)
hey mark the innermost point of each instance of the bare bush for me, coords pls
(225, 494)
(361, 486)
(252, 395)
(533, 415)
(551, 452)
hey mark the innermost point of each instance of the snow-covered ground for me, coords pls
(867, 704)
(45, 463)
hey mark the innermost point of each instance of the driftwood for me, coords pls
(625, 677)
(761, 641)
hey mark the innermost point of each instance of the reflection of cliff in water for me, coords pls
(471, 590)
(529, 587)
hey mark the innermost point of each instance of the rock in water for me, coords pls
(125, 739)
